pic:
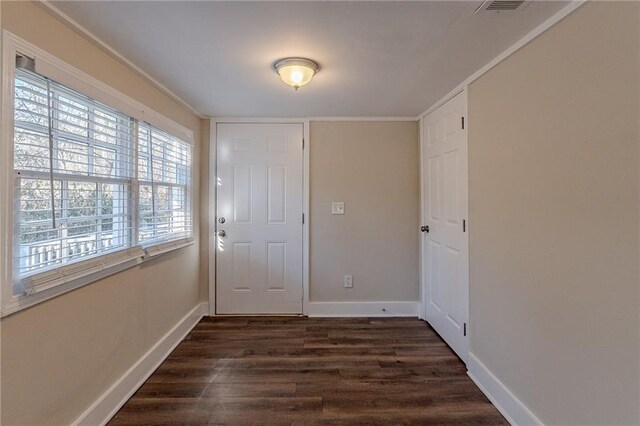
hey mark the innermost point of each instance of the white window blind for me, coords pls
(164, 192)
(73, 166)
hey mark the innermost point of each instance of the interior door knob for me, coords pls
(222, 234)
(425, 229)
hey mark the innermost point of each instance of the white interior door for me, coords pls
(259, 219)
(445, 164)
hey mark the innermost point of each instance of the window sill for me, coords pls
(60, 286)
(154, 250)
(25, 301)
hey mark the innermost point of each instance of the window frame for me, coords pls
(149, 181)
(123, 148)
(75, 273)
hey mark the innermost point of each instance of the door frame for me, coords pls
(423, 249)
(213, 164)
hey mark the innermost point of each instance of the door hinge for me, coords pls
(465, 328)
(302, 143)
(303, 218)
(462, 122)
(464, 225)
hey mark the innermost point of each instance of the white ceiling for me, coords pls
(377, 58)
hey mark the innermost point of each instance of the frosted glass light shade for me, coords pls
(296, 72)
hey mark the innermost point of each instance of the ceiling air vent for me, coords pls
(501, 6)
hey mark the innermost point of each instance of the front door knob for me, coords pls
(222, 234)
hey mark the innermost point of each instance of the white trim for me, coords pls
(213, 188)
(3, 185)
(61, 274)
(306, 197)
(18, 303)
(108, 404)
(260, 120)
(154, 250)
(514, 410)
(557, 17)
(296, 120)
(111, 51)
(362, 119)
(6, 178)
(422, 309)
(466, 216)
(362, 309)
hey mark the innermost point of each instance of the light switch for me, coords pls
(348, 281)
(337, 207)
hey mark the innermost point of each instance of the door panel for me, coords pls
(433, 179)
(242, 194)
(242, 265)
(452, 207)
(277, 195)
(435, 293)
(446, 207)
(259, 209)
(276, 265)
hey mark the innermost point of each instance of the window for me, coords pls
(73, 164)
(164, 176)
(92, 187)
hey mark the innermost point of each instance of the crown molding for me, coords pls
(223, 119)
(399, 118)
(117, 55)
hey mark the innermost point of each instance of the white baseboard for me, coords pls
(105, 407)
(506, 402)
(362, 309)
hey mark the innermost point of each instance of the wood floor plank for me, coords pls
(286, 375)
(335, 362)
(398, 403)
(195, 350)
(407, 419)
(250, 343)
(357, 353)
(346, 342)
(310, 371)
(212, 390)
(372, 388)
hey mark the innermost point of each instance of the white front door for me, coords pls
(259, 219)
(445, 212)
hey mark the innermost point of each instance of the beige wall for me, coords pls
(554, 219)
(60, 356)
(373, 168)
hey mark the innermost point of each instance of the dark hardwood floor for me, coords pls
(295, 371)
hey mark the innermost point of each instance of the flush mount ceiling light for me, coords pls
(296, 72)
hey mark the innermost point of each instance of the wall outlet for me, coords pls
(337, 207)
(348, 281)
